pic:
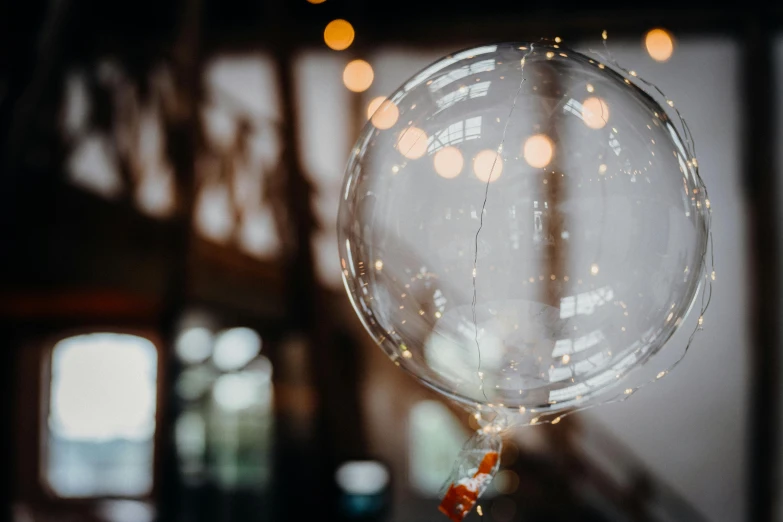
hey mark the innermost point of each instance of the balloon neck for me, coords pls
(474, 469)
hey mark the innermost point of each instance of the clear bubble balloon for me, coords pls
(530, 229)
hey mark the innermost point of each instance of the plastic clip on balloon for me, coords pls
(523, 236)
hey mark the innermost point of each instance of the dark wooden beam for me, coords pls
(183, 139)
(87, 305)
(761, 191)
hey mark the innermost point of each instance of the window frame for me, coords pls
(37, 351)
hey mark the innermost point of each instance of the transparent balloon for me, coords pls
(521, 226)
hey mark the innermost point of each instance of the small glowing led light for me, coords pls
(479, 511)
(407, 354)
(379, 265)
(487, 165)
(701, 320)
(550, 55)
(566, 358)
(556, 420)
(558, 39)
(395, 169)
(339, 35)
(604, 35)
(316, 1)
(602, 169)
(590, 87)
(660, 375)
(448, 162)
(522, 409)
(382, 113)
(595, 112)
(659, 44)
(412, 143)
(538, 151)
(594, 269)
(358, 76)
(628, 391)
(713, 275)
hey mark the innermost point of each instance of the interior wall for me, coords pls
(690, 428)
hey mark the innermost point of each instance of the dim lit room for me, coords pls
(329, 260)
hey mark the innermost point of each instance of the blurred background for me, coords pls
(176, 343)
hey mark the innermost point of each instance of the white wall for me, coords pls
(690, 428)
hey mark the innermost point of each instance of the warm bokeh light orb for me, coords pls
(538, 151)
(382, 113)
(374, 105)
(339, 35)
(358, 76)
(659, 44)
(595, 112)
(412, 143)
(488, 165)
(448, 162)
(505, 245)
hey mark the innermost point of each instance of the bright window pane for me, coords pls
(436, 438)
(102, 416)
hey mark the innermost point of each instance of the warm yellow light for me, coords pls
(595, 112)
(379, 265)
(659, 44)
(383, 113)
(488, 165)
(374, 104)
(538, 151)
(358, 76)
(316, 1)
(448, 162)
(594, 269)
(338, 35)
(412, 143)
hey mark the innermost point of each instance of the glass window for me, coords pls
(436, 438)
(101, 416)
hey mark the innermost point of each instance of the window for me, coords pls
(101, 416)
(224, 434)
(436, 438)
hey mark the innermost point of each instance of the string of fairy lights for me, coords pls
(448, 162)
(358, 76)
